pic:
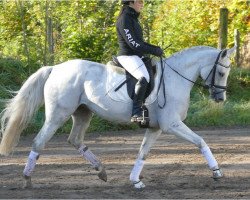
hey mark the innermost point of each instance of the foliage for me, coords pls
(186, 23)
(12, 72)
(86, 29)
(36, 33)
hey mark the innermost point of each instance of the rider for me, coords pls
(131, 50)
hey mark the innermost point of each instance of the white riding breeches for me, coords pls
(135, 66)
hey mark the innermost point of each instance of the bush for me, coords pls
(11, 76)
(12, 72)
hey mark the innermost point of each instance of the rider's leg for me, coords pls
(135, 66)
(140, 90)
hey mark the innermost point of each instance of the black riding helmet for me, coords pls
(126, 2)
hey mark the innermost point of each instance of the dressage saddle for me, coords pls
(131, 81)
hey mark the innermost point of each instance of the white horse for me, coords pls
(77, 88)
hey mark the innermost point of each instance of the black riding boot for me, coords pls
(140, 90)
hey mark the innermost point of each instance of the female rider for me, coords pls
(131, 50)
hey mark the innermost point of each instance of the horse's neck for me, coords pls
(188, 64)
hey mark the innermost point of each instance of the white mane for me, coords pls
(192, 50)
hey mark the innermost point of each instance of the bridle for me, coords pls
(211, 86)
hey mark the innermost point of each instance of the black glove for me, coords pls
(159, 52)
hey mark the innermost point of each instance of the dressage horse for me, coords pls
(78, 88)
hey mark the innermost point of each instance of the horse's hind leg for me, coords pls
(81, 120)
(54, 120)
(150, 137)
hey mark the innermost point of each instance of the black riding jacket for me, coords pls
(130, 36)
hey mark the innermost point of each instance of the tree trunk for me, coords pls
(46, 30)
(223, 28)
(50, 41)
(20, 8)
(237, 44)
(79, 17)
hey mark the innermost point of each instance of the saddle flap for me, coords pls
(117, 75)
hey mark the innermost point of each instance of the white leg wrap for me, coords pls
(136, 171)
(89, 156)
(212, 163)
(31, 163)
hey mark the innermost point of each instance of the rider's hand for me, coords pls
(159, 52)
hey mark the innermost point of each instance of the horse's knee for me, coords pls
(38, 146)
(75, 142)
(40, 141)
(200, 143)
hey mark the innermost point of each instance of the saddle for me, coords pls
(131, 81)
(120, 84)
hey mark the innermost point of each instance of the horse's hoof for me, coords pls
(103, 175)
(27, 182)
(217, 174)
(139, 185)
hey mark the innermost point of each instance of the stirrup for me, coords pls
(143, 121)
(136, 118)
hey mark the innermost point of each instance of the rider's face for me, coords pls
(137, 5)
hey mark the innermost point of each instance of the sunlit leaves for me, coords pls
(186, 23)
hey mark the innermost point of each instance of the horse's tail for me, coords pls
(20, 109)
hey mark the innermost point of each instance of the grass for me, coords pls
(234, 112)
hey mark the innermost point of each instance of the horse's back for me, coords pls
(69, 80)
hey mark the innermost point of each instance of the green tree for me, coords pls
(186, 23)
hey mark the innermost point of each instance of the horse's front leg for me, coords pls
(179, 129)
(149, 139)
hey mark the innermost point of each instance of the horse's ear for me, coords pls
(223, 53)
(231, 51)
(228, 52)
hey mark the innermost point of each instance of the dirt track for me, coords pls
(174, 169)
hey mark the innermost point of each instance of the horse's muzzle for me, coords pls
(218, 96)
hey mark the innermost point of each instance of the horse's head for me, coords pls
(216, 77)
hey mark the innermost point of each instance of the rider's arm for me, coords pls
(127, 31)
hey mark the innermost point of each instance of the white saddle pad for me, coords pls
(116, 76)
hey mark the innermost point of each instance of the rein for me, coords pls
(163, 85)
(212, 85)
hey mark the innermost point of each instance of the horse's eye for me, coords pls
(221, 74)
